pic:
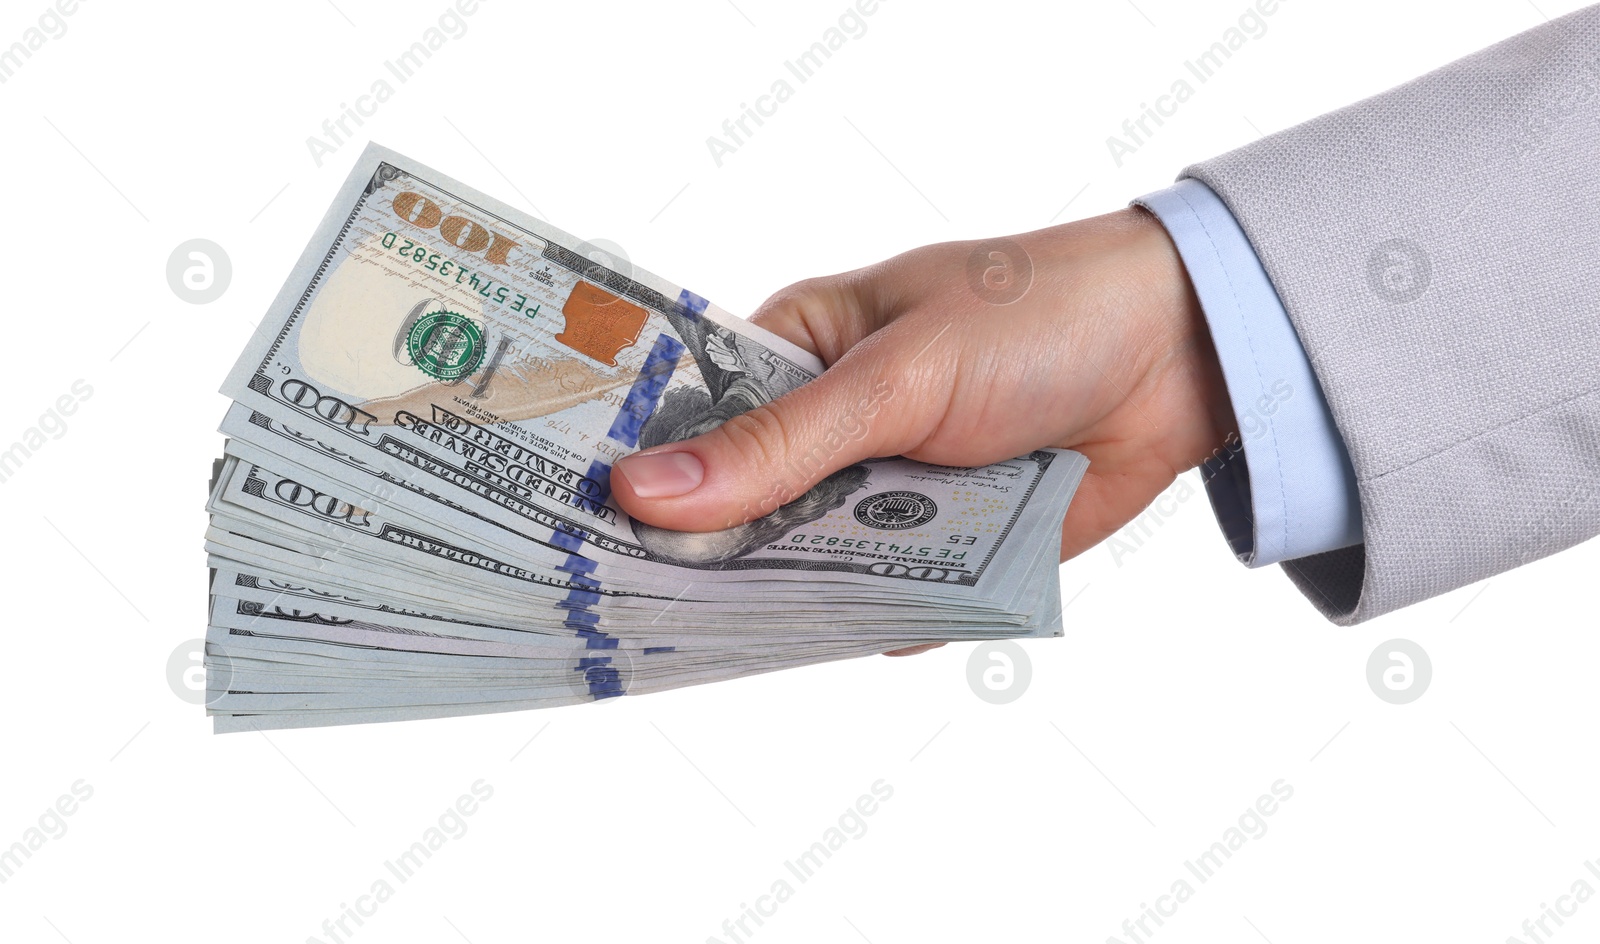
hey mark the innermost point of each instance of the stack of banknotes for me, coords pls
(412, 517)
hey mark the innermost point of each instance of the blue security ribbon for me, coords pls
(600, 673)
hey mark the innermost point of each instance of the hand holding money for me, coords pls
(414, 515)
(1103, 350)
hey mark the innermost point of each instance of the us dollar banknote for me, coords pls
(475, 366)
(412, 517)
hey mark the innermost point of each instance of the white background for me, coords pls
(1184, 688)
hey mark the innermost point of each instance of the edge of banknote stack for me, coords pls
(412, 516)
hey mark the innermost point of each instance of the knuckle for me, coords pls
(799, 296)
(823, 314)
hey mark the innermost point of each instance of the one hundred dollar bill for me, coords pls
(479, 368)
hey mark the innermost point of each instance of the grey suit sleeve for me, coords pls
(1438, 250)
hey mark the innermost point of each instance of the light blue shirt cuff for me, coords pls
(1287, 490)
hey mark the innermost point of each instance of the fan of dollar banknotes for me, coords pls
(412, 516)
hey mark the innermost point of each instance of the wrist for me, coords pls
(1182, 374)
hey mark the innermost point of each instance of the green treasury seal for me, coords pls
(445, 345)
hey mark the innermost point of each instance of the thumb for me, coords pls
(757, 461)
